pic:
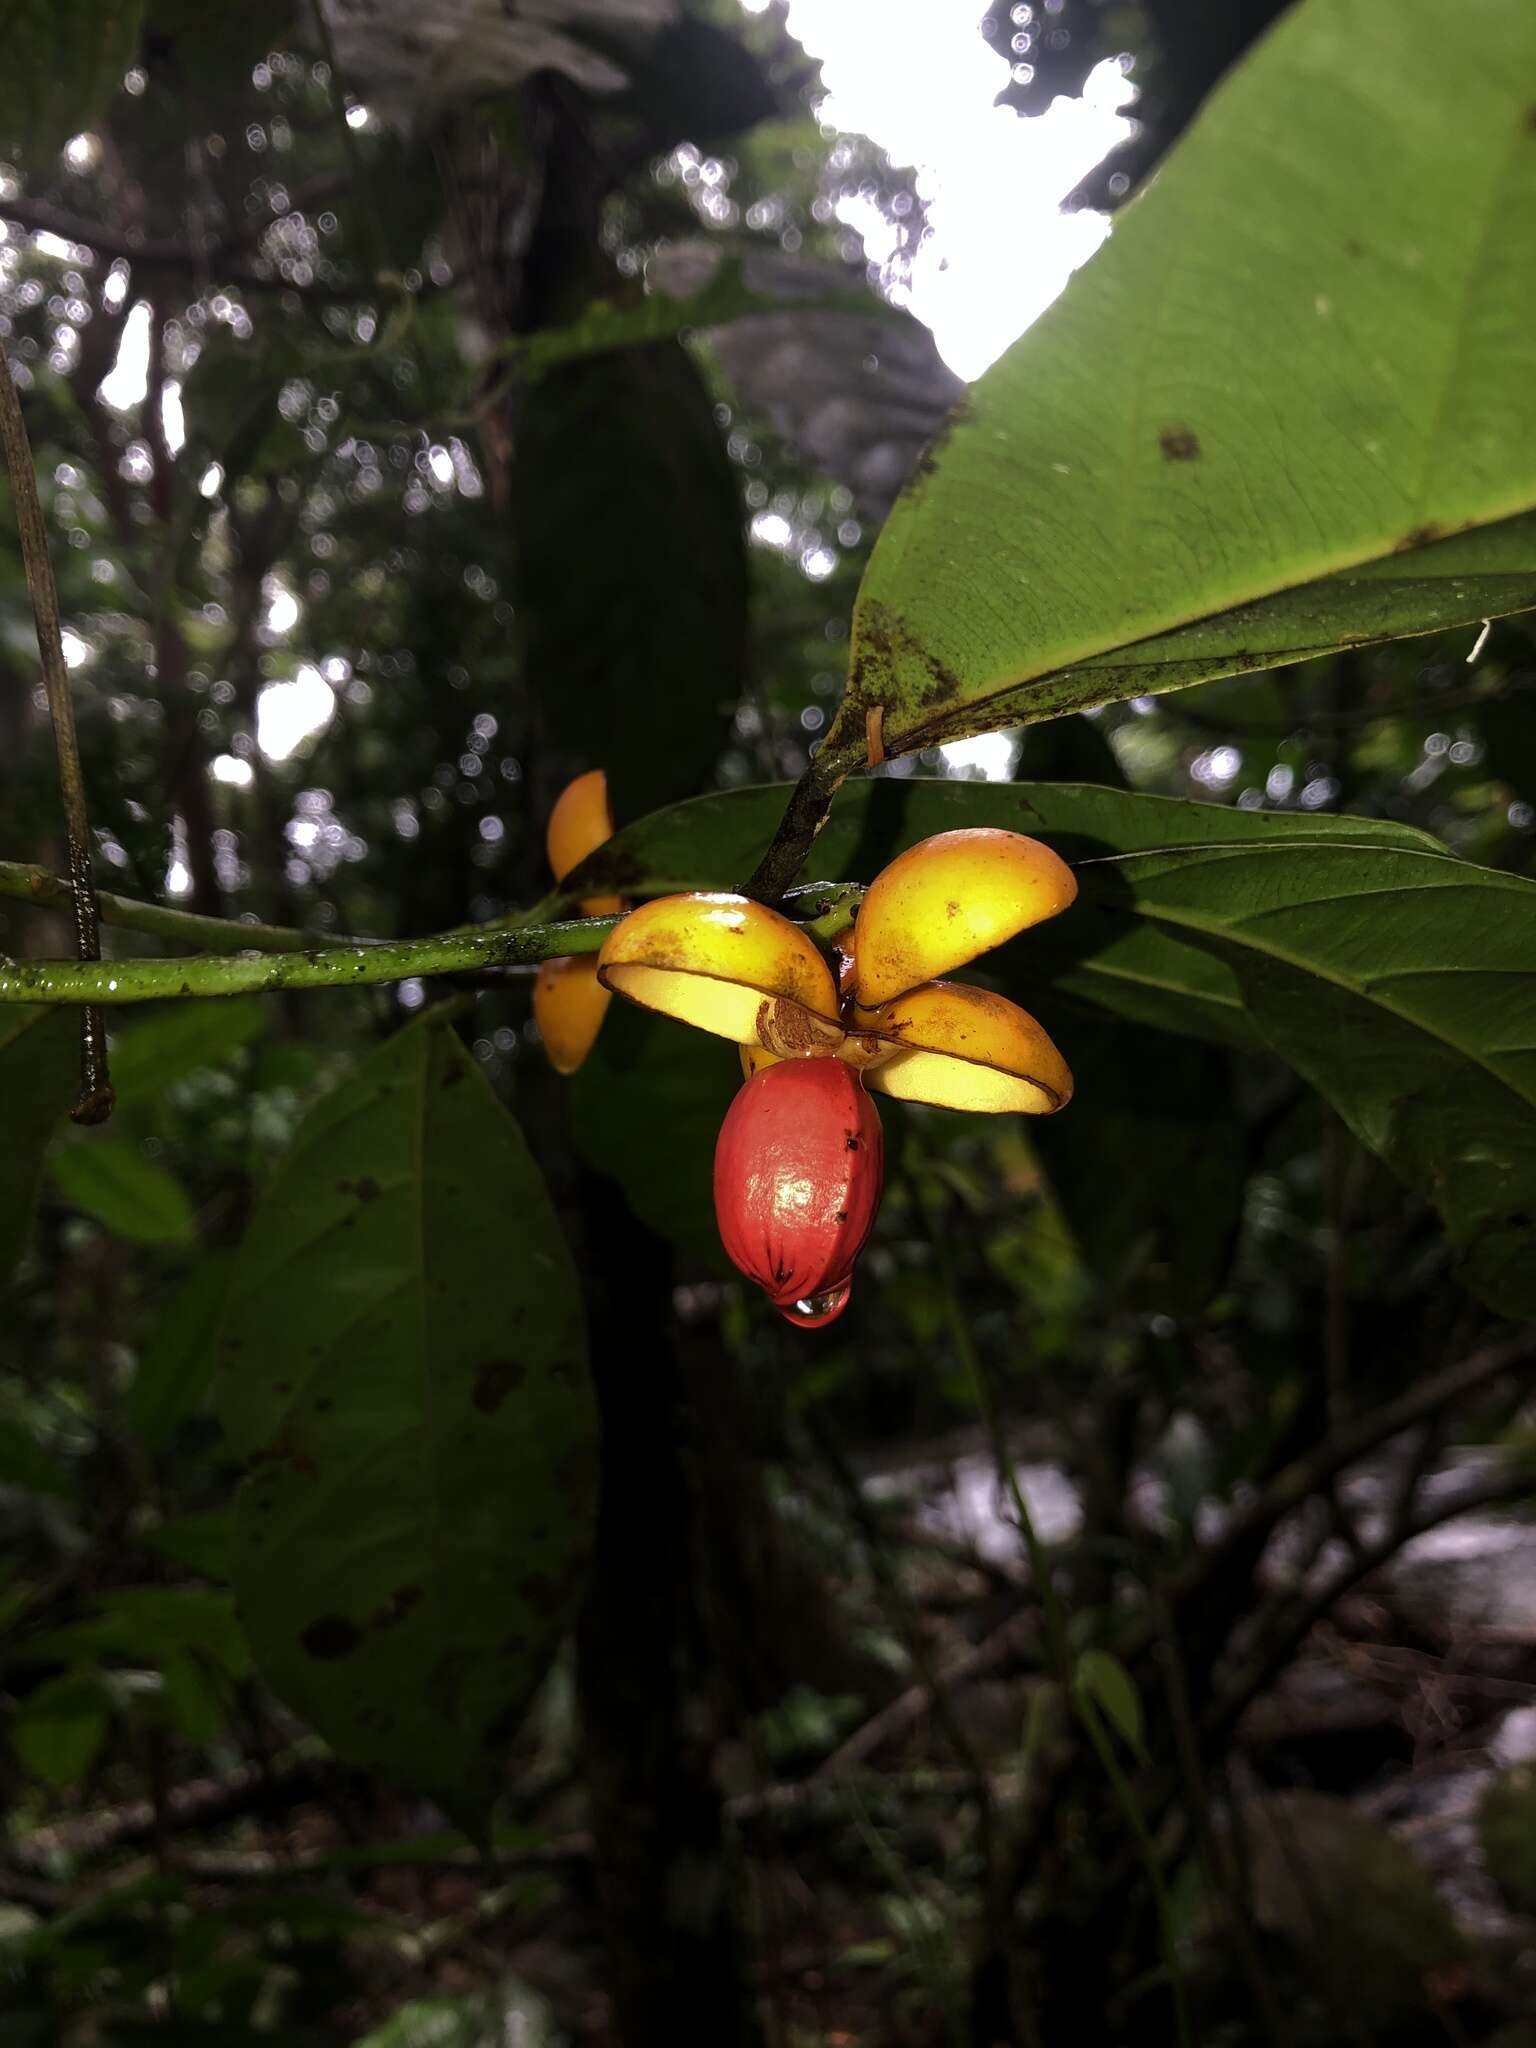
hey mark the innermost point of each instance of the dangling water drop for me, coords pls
(819, 1309)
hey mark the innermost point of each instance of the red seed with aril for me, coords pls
(798, 1169)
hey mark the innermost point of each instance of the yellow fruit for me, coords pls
(569, 1004)
(580, 823)
(729, 966)
(965, 1048)
(947, 899)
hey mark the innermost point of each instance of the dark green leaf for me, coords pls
(402, 1357)
(1104, 1680)
(59, 1728)
(1145, 1167)
(1296, 362)
(634, 581)
(1395, 978)
(39, 1053)
(646, 1110)
(175, 1039)
(24, 1462)
(112, 1180)
(177, 1362)
(63, 61)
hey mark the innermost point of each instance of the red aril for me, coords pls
(798, 1169)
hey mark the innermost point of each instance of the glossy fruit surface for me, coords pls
(799, 1165)
(948, 899)
(726, 965)
(966, 1048)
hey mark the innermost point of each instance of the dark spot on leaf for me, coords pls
(494, 1381)
(397, 1606)
(365, 1187)
(330, 1637)
(324, 1405)
(1179, 444)
(288, 1449)
(1354, 248)
(1416, 537)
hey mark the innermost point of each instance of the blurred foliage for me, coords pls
(391, 485)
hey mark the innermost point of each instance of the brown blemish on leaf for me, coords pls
(288, 1449)
(494, 1381)
(1179, 444)
(397, 1606)
(1416, 537)
(330, 1637)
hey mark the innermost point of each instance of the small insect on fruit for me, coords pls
(798, 1170)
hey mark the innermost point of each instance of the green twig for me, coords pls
(1131, 1812)
(30, 884)
(348, 966)
(94, 1103)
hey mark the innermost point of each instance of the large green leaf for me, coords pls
(63, 61)
(403, 1359)
(175, 1039)
(1397, 979)
(177, 1361)
(38, 1054)
(1302, 352)
(633, 571)
(112, 1180)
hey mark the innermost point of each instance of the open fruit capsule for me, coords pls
(799, 1165)
(579, 824)
(946, 900)
(729, 966)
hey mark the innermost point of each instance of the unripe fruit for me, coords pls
(798, 1169)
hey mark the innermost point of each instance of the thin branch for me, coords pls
(1298, 1481)
(159, 920)
(94, 1103)
(1267, 1663)
(806, 812)
(357, 965)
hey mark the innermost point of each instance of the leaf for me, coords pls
(64, 59)
(59, 1729)
(110, 1179)
(1299, 354)
(1395, 978)
(646, 1109)
(633, 570)
(175, 1039)
(1158, 1112)
(177, 1362)
(24, 1462)
(1104, 1680)
(403, 1360)
(38, 1054)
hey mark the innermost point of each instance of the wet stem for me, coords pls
(1057, 1634)
(94, 1103)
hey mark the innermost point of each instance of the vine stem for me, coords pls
(348, 966)
(93, 1105)
(809, 804)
